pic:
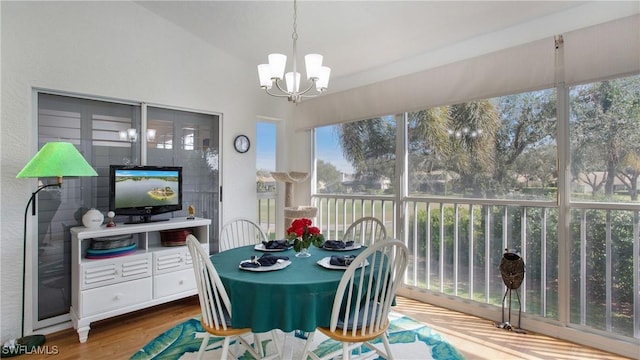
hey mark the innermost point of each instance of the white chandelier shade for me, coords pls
(313, 63)
(277, 64)
(292, 81)
(273, 73)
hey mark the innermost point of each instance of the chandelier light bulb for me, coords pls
(132, 135)
(151, 134)
(264, 74)
(313, 64)
(277, 62)
(290, 81)
(323, 79)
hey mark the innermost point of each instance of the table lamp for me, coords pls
(55, 159)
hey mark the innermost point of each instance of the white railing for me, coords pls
(267, 213)
(456, 246)
(337, 212)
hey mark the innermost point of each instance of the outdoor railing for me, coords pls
(337, 212)
(267, 213)
(456, 246)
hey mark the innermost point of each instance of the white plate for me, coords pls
(281, 264)
(326, 263)
(260, 247)
(348, 248)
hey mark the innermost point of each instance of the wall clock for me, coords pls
(241, 143)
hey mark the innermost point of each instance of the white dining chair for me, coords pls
(216, 307)
(365, 231)
(362, 303)
(240, 232)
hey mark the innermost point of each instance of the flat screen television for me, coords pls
(144, 191)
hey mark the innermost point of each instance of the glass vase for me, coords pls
(303, 253)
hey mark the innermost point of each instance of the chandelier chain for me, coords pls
(294, 35)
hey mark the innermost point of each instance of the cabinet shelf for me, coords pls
(152, 275)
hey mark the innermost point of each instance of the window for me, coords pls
(94, 128)
(496, 148)
(356, 157)
(112, 133)
(265, 183)
(605, 140)
(605, 166)
(357, 160)
(482, 177)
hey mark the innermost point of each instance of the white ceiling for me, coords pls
(369, 41)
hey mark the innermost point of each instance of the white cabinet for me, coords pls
(152, 274)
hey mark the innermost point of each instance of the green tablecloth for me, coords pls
(298, 297)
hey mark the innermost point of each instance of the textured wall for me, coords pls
(116, 50)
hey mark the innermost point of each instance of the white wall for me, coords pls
(122, 51)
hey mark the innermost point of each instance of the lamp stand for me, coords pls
(26, 344)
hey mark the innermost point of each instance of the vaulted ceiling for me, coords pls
(369, 41)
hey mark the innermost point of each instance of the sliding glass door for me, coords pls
(190, 140)
(109, 132)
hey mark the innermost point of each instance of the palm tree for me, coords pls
(369, 145)
(473, 127)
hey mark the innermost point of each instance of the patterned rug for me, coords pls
(409, 340)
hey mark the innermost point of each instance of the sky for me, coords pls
(266, 146)
(327, 148)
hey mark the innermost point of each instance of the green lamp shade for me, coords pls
(57, 159)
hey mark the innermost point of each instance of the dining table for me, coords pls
(298, 296)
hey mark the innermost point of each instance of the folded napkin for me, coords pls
(276, 244)
(342, 260)
(337, 244)
(264, 260)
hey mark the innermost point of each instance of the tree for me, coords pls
(606, 120)
(527, 126)
(630, 172)
(369, 145)
(473, 126)
(261, 175)
(428, 144)
(328, 175)
(537, 166)
(457, 139)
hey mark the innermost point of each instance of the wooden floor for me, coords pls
(476, 338)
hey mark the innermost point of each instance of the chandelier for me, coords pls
(272, 73)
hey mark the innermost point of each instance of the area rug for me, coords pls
(409, 340)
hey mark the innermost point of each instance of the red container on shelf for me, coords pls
(175, 237)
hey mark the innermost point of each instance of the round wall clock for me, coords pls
(241, 143)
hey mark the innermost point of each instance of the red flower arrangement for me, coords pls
(303, 234)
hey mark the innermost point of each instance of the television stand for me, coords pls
(154, 274)
(144, 220)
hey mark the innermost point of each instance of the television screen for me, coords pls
(145, 190)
